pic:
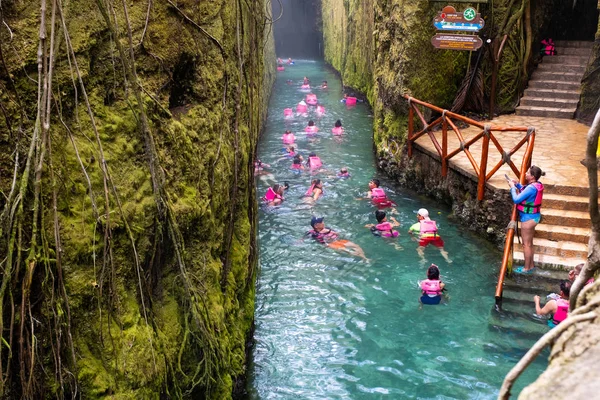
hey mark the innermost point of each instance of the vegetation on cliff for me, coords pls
(128, 215)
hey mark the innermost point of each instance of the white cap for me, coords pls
(423, 213)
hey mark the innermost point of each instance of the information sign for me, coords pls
(446, 41)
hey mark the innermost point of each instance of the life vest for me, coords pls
(310, 190)
(296, 166)
(343, 175)
(377, 193)
(271, 195)
(311, 99)
(288, 138)
(288, 112)
(548, 48)
(311, 129)
(427, 228)
(322, 237)
(533, 208)
(562, 312)
(429, 286)
(314, 162)
(337, 130)
(386, 229)
(320, 110)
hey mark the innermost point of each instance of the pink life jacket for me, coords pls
(311, 129)
(528, 207)
(386, 229)
(271, 195)
(288, 112)
(288, 138)
(378, 193)
(548, 48)
(320, 110)
(427, 227)
(280, 68)
(350, 101)
(301, 108)
(296, 166)
(311, 99)
(314, 162)
(337, 130)
(429, 286)
(562, 312)
(305, 87)
(310, 190)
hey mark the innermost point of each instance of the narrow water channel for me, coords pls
(331, 326)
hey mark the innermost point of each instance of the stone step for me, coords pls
(548, 102)
(562, 233)
(560, 85)
(574, 43)
(521, 311)
(565, 249)
(552, 93)
(565, 202)
(548, 112)
(567, 190)
(541, 281)
(545, 75)
(547, 262)
(506, 324)
(580, 69)
(567, 60)
(577, 219)
(573, 51)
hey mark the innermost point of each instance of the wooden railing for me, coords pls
(486, 135)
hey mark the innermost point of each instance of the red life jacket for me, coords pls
(429, 286)
(533, 208)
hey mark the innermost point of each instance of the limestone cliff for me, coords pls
(127, 233)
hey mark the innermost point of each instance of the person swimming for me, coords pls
(324, 85)
(315, 190)
(311, 128)
(297, 163)
(314, 162)
(274, 195)
(343, 173)
(337, 128)
(288, 137)
(306, 81)
(378, 196)
(383, 228)
(328, 237)
(290, 151)
(432, 287)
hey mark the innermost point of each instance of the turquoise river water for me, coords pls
(332, 326)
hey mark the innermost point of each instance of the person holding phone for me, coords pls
(528, 199)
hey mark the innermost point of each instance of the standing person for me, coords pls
(427, 232)
(528, 199)
(559, 308)
(432, 287)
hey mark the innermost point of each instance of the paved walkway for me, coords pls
(559, 146)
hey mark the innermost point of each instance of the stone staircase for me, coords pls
(554, 87)
(561, 238)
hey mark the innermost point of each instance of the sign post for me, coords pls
(449, 20)
(456, 42)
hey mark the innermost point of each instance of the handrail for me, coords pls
(481, 169)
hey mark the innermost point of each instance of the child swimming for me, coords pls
(343, 173)
(329, 238)
(383, 227)
(432, 287)
(315, 190)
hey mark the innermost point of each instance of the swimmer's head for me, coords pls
(311, 123)
(374, 183)
(338, 123)
(344, 170)
(433, 272)
(423, 213)
(380, 216)
(316, 221)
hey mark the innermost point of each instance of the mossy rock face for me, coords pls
(157, 263)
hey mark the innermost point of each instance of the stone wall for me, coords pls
(128, 220)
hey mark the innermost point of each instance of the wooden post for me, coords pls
(410, 127)
(444, 144)
(485, 144)
(496, 52)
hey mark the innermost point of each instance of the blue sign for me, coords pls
(458, 26)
